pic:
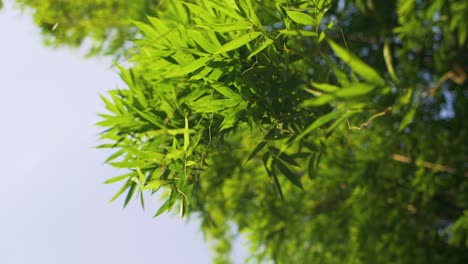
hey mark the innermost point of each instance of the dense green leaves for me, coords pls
(241, 112)
(323, 131)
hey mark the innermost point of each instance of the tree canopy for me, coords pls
(323, 131)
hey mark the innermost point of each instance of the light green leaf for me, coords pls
(228, 92)
(121, 190)
(320, 122)
(203, 42)
(141, 176)
(186, 135)
(189, 68)
(356, 89)
(119, 178)
(301, 18)
(264, 45)
(318, 101)
(236, 43)
(109, 105)
(299, 32)
(230, 27)
(389, 63)
(408, 118)
(357, 65)
(325, 87)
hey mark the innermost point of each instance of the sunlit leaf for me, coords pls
(236, 43)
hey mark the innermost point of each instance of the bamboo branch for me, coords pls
(428, 165)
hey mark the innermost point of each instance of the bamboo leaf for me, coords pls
(264, 45)
(408, 118)
(228, 92)
(356, 64)
(236, 43)
(130, 193)
(189, 68)
(287, 172)
(274, 176)
(298, 32)
(119, 178)
(121, 190)
(320, 122)
(229, 27)
(325, 87)
(258, 148)
(301, 18)
(356, 89)
(186, 135)
(318, 100)
(203, 42)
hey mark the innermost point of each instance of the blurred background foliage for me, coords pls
(322, 131)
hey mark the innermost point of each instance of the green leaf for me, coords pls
(264, 45)
(119, 178)
(406, 98)
(274, 176)
(236, 43)
(154, 184)
(109, 105)
(142, 199)
(121, 190)
(357, 65)
(163, 208)
(182, 207)
(310, 166)
(167, 204)
(206, 105)
(203, 42)
(287, 172)
(231, 119)
(189, 68)
(225, 9)
(320, 122)
(150, 118)
(325, 87)
(229, 27)
(408, 118)
(141, 176)
(340, 120)
(228, 92)
(318, 100)
(284, 157)
(389, 63)
(258, 148)
(186, 135)
(130, 193)
(299, 32)
(301, 18)
(115, 155)
(356, 89)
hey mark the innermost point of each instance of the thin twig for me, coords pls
(388, 109)
(428, 165)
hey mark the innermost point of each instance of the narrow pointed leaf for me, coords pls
(287, 172)
(256, 150)
(236, 43)
(301, 18)
(356, 64)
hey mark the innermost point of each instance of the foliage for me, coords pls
(323, 131)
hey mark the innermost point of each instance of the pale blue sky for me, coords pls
(53, 205)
